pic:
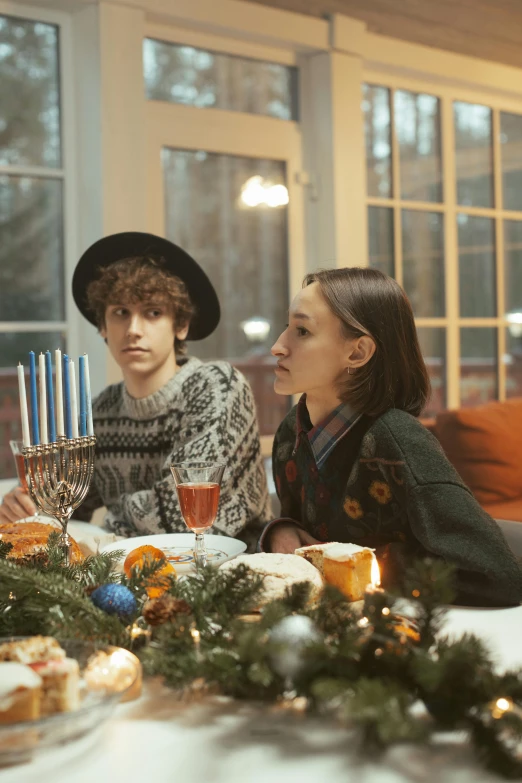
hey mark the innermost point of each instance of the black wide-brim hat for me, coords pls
(134, 244)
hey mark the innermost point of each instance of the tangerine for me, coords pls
(138, 555)
(158, 582)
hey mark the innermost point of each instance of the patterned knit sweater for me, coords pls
(205, 412)
(388, 485)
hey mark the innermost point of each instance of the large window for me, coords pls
(226, 196)
(196, 77)
(32, 301)
(444, 192)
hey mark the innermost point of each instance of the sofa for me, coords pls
(485, 446)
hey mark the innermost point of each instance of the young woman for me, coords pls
(352, 463)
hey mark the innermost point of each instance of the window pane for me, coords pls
(473, 154)
(513, 266)
(433, 346)
(377, 132)
(195, 77)
(417, 125)
(477, 286)
(478, 366)
(29, 93)
(380, 239)
(511, 141)
(14, 348)
(243, 249)
(513, 360)
(31, 250)
(423, 262)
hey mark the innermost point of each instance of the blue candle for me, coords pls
(50, 397)
(83, 397)
(67, 398)
(34, 399)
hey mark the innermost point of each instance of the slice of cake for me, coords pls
(20, 693)
(59, 675)
(33, 649)
(349, 568)
(315, 554)
(60, 685)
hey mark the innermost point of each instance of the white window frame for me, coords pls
(67, 172)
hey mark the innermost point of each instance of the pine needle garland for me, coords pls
(369, 674)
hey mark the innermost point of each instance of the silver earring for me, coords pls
(350, 371)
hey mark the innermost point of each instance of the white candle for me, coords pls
(23, 406)
(74, 403)
(43, 399)
(90, 425)
(60, 425)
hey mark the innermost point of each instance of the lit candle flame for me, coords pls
(375, 573)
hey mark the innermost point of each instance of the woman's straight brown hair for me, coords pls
(368, 302)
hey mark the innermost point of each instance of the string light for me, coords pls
(196, 636)
(503, 705)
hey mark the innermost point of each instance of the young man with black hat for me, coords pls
(147, 296)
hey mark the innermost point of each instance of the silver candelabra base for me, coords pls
(58, 478)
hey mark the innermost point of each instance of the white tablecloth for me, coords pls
(158, 738)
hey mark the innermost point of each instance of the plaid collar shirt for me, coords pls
(326, 435)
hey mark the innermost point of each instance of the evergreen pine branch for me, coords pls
(456, 677)
(430, 584)
(363, 672)
(497, 743)
(5, 548)
(96, 570)
(510, 685)
(37, 602)
(382, 710)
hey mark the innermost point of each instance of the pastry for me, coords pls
(34, 649)
(20, 693)
(29, 540)
(59, 675)
(349, 568)
(315, 554)
(279, 572)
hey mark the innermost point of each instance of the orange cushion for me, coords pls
(509, 509)
(485, 446)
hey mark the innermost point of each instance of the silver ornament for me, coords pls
(288, 641)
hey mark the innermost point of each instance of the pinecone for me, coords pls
(160, 610)
(89, 589)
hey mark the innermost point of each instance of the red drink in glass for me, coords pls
(199, 504)
(20, 469)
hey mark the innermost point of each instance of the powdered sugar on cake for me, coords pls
(344, 551)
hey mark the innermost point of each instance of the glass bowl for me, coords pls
(107, 675)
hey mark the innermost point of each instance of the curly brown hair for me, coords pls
(140, 279)
(368, 302)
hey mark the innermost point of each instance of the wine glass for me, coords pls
(16, 448)
(198, 485)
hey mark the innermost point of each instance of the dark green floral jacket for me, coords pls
(388, 485)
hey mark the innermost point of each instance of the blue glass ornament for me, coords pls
(114, 599)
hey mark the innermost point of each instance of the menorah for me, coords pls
(58, 478)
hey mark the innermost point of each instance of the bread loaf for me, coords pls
(279, 572)
(29, 540)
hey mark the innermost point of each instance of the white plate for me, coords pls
(178, 548)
